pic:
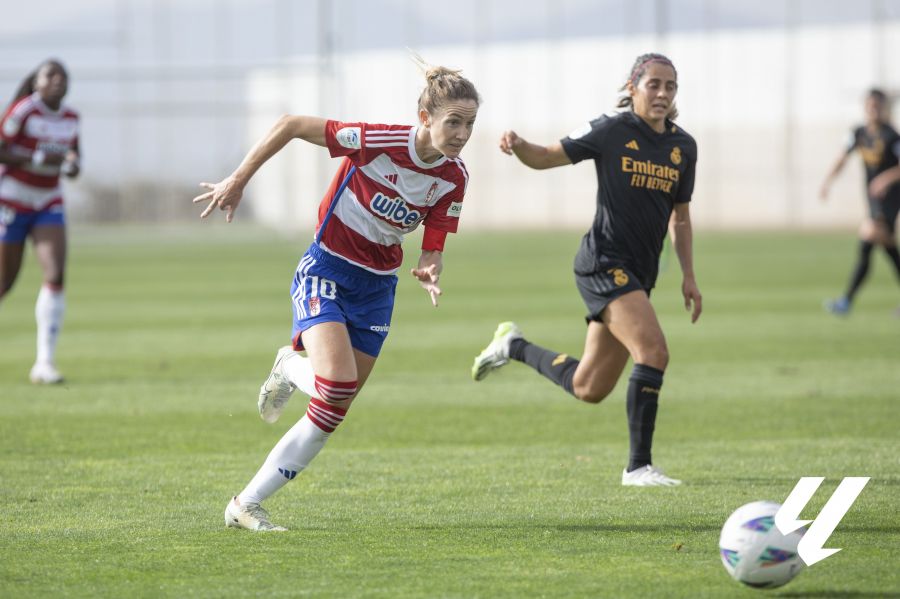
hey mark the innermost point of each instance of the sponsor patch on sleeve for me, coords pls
(455, 209)
(349, 137)
(11, 126)
(580, 131)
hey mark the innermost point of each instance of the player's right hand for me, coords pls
(508, 141)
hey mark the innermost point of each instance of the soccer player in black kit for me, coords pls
(645, 169)
(879, 145)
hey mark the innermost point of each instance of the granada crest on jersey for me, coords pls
(431, 191)
(314, 306)
(675, 156)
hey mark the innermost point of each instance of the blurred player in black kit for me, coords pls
(879, 145)
(645, 169)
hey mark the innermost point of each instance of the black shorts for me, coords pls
(886, 210)
(599, 289)
(890, 208)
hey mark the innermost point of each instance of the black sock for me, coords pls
(861, 270)
(894, 255)
(557, 367)
(643, 396)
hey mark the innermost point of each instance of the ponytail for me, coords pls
(26, 88)
(443, 85)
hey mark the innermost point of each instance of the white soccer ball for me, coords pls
(754, 551)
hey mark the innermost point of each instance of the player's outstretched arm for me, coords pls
(533, 155)
(682, 240)
(833, 172)
(428, 272)
(227, 193)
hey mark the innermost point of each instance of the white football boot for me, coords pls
(648, 476)
(45, 373)
(276, 391)
(250, 516)
(496, 354)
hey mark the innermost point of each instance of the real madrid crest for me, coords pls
(675, 156)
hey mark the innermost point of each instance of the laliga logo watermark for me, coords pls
(812, 546)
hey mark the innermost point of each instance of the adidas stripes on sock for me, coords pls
(295, 450)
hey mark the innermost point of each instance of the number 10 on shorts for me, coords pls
(312, 288)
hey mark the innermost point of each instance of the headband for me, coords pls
(639, 66)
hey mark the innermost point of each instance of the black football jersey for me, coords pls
(641, 175)
(880, 151)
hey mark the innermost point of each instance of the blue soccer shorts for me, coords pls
(15, 225)
(329, 289)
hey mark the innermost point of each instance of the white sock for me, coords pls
(299, 371)
(289, 457)
(48, 311)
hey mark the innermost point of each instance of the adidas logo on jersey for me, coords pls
(632, 145)
(392, 178)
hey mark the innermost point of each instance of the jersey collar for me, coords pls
(414, 156)
(36, 98)
(647, 129)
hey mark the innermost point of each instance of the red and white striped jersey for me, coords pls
(30, 125)
(391, 192)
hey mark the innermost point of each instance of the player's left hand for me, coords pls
(691, 294)
(428, 279)
(226, 195)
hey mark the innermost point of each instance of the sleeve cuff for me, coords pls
(433, 240)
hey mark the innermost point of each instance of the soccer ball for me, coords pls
(755, 552)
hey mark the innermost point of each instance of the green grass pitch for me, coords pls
(113, 485)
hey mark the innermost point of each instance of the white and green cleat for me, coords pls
(250, 516)
(496, 354)
(276, 391)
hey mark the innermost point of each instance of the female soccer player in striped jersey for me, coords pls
(391, 179)
(645, 168)
(38, 143)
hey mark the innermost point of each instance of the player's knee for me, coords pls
(592, 393)
(657, 356)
